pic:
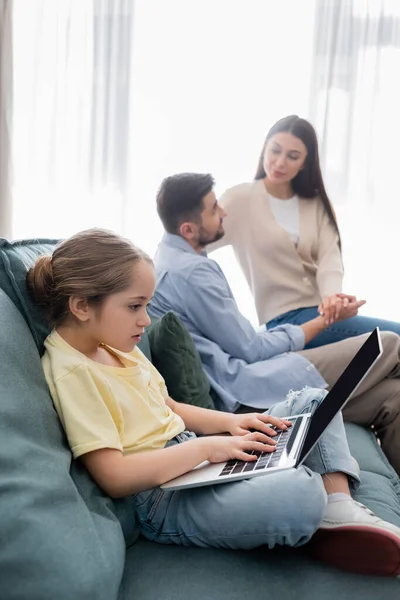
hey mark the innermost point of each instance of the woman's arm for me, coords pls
(330, 265)
(329, 274)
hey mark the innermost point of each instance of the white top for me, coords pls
(286, 213)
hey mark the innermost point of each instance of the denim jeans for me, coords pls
(282, 508)
(337, 331)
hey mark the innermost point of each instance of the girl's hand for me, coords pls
(223, 448)
(243, 424)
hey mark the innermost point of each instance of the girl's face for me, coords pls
(284, 157)
(122, 318)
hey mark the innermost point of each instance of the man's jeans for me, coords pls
(283, 508)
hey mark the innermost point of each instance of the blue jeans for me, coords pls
(283, 508)
(336, 332)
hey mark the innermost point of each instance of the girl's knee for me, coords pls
(309, 501)
(305, 400)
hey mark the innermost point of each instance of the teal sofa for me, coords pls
(62, 538)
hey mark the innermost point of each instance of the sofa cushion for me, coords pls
(61, 537)
(210, 574)
(380, 486)
(284, 573)
(16, 258)
(176, 357)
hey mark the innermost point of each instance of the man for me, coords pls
(243, 366)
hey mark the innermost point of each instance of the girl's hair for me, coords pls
(92, 264)
(308, 183)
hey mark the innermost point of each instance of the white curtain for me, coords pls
(111, 96)
(5, 117)
(209, 79)
(71, 111)
(355, 104)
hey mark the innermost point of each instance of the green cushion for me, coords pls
(144, 346)
(15, 260)
(177, 359)
(61, 537)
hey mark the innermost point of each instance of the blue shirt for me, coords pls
(243, 366)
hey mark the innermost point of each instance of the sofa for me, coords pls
(62, 537)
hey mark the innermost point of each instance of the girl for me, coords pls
(286, 238)
(131, 436)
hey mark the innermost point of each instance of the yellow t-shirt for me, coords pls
(108, 407)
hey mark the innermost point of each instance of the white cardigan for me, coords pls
(281, 277)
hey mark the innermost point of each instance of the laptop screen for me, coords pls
(341, 392)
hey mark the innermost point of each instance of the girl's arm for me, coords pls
(207, 422)
(201, 420)
(121, 475)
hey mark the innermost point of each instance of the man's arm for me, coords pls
(313, 328)
(209, 304)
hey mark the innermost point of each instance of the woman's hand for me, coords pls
(240, 447)
(331, 307)
(245, 423)
(349, 308)
(339, 307)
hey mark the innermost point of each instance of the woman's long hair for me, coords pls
(308, 183)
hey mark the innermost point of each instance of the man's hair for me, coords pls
(180, 199)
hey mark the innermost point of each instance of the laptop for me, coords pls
(294, 444)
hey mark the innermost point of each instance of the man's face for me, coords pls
(210, 228)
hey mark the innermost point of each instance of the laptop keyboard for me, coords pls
(266, 460)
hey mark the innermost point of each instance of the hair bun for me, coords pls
(40, 281)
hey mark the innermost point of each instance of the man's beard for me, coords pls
(205, 238)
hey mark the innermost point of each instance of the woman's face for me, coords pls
(284, 157)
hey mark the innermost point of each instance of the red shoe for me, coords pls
(352, 538)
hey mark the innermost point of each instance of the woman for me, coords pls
(286, 238)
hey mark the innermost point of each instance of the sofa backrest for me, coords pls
(15, 260)
(60, 536)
